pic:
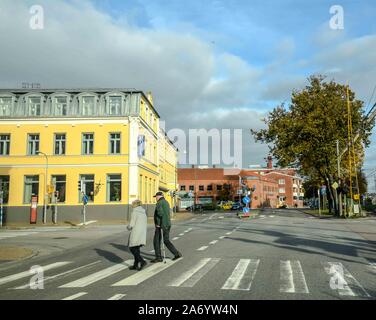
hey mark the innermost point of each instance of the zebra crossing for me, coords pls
(240, 277)
(14, 234)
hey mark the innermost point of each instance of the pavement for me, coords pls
(277, 255)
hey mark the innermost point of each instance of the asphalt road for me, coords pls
(280, 254)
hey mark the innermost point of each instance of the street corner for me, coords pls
(15, 253)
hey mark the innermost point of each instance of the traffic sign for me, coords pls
(356, 196)
(245, 210)
(246, 200)
(85, 199)
(335, 185)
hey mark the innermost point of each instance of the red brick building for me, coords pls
(273, 186)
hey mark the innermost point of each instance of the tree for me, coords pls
(304, 135)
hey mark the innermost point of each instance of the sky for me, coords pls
(209, 64)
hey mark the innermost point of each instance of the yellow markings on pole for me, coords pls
(356, 196)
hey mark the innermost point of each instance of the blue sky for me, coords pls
(210, 64)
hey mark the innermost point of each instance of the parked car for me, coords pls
(201, 207)
(237, 206)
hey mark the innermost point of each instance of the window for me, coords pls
(5, 106)
(282, 190)
(60, 140)
(210, 188)
(88, 106)
(4, 188)
(61, 106)
(35, 104)
(191, 188)
(182, 188)
(201, 188)
(87, 143)
(295, 198)
(114, 106)
(33, 144)
(4, 144)
(114, 188)
(115, 143)
(281, 181)
(60, 186)
(87, 186)
(219, 187)
(31, 188)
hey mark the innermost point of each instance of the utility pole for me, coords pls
(46, 190)
(318, 193)
(339, 196)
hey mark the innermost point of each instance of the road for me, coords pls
(280, 254)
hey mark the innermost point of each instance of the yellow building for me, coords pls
(106, 142)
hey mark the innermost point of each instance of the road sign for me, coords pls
(356, 196)
(245, 210)
(246, 200)
(85, 199)
(323, 190)
(240, 192)
(335, 185)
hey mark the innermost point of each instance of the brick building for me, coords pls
(273, 186)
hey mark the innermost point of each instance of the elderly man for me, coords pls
(163, 224)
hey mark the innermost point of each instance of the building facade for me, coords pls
(106, 142)
(273, 187)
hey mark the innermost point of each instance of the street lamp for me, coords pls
(45, 187)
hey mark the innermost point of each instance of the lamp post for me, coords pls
(46, 191)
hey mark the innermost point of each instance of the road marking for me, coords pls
(181, 234)
(373, 266)
(6, 235)
(222, 237)
(238, 280)
(152, 251)
(48, 279)
(75, 296)
(192, 276)
(176, 238)
(202, 248)
(343, 281)
(272, 216)
(262, 216)
(214, 242)
(292, 277)
(145, 274)
(25, 274)
(228, 233)
(221, 217)
(87, 223)
(97, 276)
(117, 297)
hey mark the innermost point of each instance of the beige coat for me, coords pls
(138, 227)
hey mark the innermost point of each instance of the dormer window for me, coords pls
(6, 104)
(88, 104)
(61, 106)
(35, 106)
(114, 105)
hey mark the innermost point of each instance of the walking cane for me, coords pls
(163, 247)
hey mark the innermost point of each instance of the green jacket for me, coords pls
(162, 214)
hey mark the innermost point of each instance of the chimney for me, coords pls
(270, 162)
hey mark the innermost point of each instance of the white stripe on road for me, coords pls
(221, 217)
(292, 277)
(238, 280)
(228, 233)
(145, 274)
(272, 216)
(342, 280)
(262, 216)
(181, 234)
(192, 276)
(222, 237)
(75, 296)
(176, 238)
(214, 242)
(202, 248)
(6, 235)
(152, 251)
(25, 274)
(90, 279)
(117, 297)
(48, 279)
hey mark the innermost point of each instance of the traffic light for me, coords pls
(79, 185)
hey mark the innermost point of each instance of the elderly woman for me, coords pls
(137, 237)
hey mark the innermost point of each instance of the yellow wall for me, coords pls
(73, 164)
